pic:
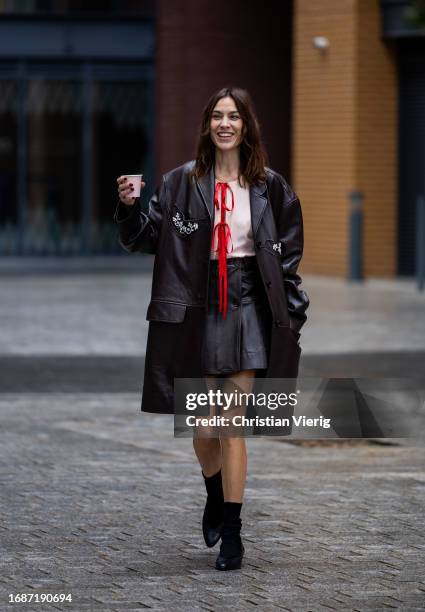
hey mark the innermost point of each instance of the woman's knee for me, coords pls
(230, 443)
(206, 443)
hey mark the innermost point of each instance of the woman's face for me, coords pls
(226, 125)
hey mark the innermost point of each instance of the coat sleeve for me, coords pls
(289, 223)
(139, 230)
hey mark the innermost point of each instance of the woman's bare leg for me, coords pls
(208, 452)
(206, 443)
(233, 449)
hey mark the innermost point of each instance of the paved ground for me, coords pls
(105, 505)
(102, 502)
(98, 307)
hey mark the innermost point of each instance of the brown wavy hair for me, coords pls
(253, 157)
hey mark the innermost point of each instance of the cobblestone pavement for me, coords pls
(100, 501)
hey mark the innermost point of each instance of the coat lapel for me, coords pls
(258, 203)
(206, 186)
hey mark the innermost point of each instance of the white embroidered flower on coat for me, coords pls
(184, 227)
(277, 247)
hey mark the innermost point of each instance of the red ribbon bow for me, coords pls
(223, 235)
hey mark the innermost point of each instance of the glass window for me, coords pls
(120, 146)
(54, 211)
(144, 8)
(68, 206)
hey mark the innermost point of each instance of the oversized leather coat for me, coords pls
(177, 227)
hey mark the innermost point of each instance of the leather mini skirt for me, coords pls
(241, 341)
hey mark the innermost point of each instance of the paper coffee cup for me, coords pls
(136, 180)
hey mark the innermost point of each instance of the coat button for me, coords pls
(268, 284)
(277, 323)
(258, 244)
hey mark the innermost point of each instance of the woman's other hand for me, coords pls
(125, 189)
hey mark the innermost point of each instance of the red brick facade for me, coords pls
(204, 45)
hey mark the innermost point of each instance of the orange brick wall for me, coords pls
(344, 133)
(376, 148)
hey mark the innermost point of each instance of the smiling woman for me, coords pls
(226, 306)
(230, 136)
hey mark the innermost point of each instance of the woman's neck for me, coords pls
(227, 164)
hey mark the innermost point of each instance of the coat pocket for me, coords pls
(166, 312)
(183, 226)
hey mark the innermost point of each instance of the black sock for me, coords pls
(215, 499)
(232, 512)
(231, 543)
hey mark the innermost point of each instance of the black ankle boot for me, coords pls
(212, 520)
(231, 547)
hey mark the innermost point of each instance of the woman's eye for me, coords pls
(232, 118)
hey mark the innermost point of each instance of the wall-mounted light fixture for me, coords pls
(321, 42)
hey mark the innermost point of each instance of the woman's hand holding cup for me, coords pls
(129, 187)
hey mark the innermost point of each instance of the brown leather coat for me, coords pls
(177, 227)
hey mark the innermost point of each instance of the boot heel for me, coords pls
(231, 554)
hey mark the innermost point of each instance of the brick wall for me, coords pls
(344, 133)
(204, 45)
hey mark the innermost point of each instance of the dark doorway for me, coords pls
(411, 148)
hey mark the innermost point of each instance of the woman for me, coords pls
(226, 305)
